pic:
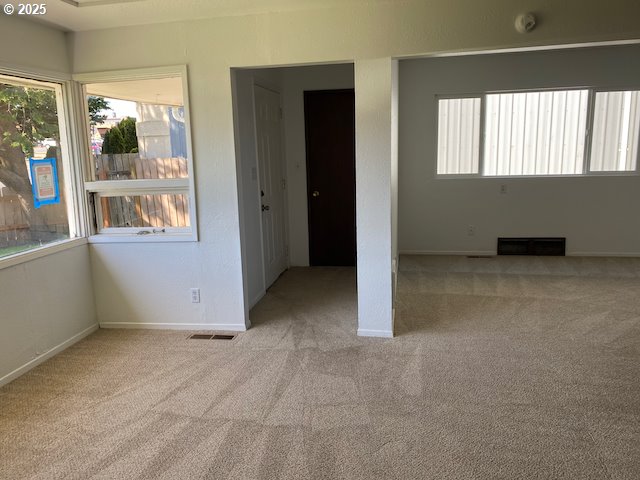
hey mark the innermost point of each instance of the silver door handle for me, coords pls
(265, 207)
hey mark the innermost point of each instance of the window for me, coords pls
(140, 180)
(539, 133)
(458, 135)
(36, 206)
(616, 127)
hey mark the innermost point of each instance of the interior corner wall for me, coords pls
(394, 174)
(248, 177)
(33, 46)
(211, 47)
(297, 80)
(597, 214)
(46, 303)
(374, 159)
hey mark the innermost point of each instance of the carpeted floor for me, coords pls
(503, 368)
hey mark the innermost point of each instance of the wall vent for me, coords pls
(551, 246)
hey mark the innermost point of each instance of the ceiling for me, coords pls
(79, 15)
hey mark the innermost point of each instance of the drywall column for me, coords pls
(374, 82)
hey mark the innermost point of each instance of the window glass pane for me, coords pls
(138, 129)
(535, 133)
(458, 135)
(30, 130)
(140, 211)
(616, 127)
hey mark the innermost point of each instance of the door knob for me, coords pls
(265, 207)
(315, 193)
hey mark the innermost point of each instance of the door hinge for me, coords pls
(286, 250)
(280, 112)
(284, 183)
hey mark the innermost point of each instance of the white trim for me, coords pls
(75, 168)
(38, 74)
(134, 238)
(130, 74)
(494, 254)
(47, 355)
(232, 327)
(603, 254)
(138, 187)
(534, 48)
(363, 332)
(450, 252)
(45, 250)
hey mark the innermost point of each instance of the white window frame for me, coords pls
(586, 170)
(67, 119)
(590, 120)
(96, 189)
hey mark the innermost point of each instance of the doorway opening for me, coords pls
(295, 151)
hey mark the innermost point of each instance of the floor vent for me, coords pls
(201, 336)
(479, 256)
(552, 246)
(224, 337)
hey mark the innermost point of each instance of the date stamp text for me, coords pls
(25, 8)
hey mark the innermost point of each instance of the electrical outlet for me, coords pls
(503, 189)
(195, 295)
(471, 230)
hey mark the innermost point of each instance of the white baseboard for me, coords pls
(363, 332)
(450, 252)
(602, 254)
(232, 327)
(47, 355)
(493, 253)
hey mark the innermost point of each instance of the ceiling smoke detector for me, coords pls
(525, 22)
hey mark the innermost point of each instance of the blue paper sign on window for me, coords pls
(44, 181)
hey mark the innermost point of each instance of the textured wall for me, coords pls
(211, 47)
(597, 214)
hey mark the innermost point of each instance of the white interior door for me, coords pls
(272, 183)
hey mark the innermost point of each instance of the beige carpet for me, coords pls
(506, 368)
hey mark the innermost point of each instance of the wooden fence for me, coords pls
(166, 210)
(14, 225)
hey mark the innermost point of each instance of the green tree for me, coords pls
(97, 105)
(121, 138)
(115, 143)
(128, 129)
(106, 142)
(27, 116)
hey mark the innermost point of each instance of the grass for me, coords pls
(6, 251)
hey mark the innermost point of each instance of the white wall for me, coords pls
(297, 80)
(374, 195)
(47, 303)
(598, 215)
(31, 46)
(344, 33)
(291, 84)
(248, 177)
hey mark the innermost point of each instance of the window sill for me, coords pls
(45, 250)
(133, 238)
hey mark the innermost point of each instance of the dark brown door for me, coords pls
(331, 175)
